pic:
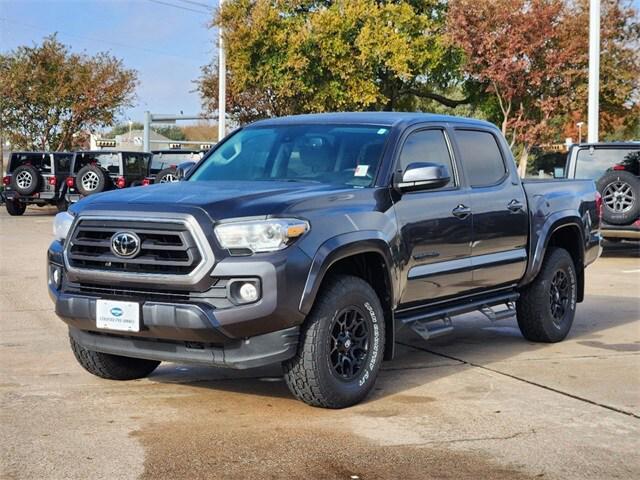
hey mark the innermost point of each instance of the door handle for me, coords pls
(461, 211)
(515, 206)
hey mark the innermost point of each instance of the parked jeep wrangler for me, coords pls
(616, 169)
(100, 171)
(36, 178)
(308, 240)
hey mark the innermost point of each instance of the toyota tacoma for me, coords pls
(310, 240)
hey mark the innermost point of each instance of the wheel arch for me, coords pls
(363, 254)
(565, 232)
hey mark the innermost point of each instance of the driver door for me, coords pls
(435, 227)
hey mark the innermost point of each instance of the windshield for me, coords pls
(593, 163)
(334, 154)
(162, 160)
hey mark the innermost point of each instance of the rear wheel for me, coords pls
(112, 367)
(15, 208)
(547, 306)
(91, 179)
(341, 346)
(26, 180)
(620, 192)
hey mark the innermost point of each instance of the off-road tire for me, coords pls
(620, 180)
(112, 367)
(534, 307)
(15, 208)
(170, 173)
(310, 374)
(101, 180)
(28, 171)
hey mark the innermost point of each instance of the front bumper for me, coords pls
(193, 326)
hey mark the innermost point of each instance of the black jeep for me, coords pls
(99, 171)
(36, 178)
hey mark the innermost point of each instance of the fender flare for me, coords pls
(343, 246)
(552, 224)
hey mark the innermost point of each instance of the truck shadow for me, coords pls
(475, 342)
(621, 250)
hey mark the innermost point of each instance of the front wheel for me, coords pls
(547, 306)
(112, 367)
(341, 346)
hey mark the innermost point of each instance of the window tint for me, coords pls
(109, 161)
(592, 163)
(41, 161)
(481, 157)
(62, 162)
(136, 164)
(427, 146)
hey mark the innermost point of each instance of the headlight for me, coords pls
(62, 225)
(261, 235)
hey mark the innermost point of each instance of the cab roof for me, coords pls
(389, 119)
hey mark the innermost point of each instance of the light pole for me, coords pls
(222, 83)
(579, 125)
(594, 70)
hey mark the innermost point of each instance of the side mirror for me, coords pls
(183, 169)
(423, 176)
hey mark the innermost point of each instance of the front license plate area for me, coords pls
(120, 316)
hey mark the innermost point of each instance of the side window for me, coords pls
(427, 146)
(135, 163)
(481, 157)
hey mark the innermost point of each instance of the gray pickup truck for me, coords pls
(309, 240)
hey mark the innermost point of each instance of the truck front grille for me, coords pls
(167, 248)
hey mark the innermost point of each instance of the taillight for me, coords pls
(599, 205)
(120, 183)
(52, 181)
(618, 167)
(6, 180)
(146, 182)
(70, 182)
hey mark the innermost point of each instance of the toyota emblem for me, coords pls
(125, 244)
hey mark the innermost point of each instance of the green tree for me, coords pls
(50, 95)
(297, 56)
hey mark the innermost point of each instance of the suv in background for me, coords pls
(36, 178)
(99, 171)
(615, 167)
(165, 162)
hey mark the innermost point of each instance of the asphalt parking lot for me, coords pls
(480, 403)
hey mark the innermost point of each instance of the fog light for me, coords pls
(56, 276)
(248, 292)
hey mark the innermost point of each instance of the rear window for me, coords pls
(62, 162)
(41, 161)
(162, 160)
(592, 163)
(136, 164)
(481, 156)
(107, 160)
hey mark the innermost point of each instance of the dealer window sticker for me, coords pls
(361, 171)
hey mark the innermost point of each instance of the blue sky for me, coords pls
(166, 44)
(167, 41)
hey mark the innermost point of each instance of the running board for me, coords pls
(425, 321)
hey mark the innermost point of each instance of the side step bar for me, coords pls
(425, 321)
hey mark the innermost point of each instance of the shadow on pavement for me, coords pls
(475, 339)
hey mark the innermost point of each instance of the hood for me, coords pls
(219, 200)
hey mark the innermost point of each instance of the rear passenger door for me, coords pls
(435, 233)
(500, 223)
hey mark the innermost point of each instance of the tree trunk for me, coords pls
(522, 165)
